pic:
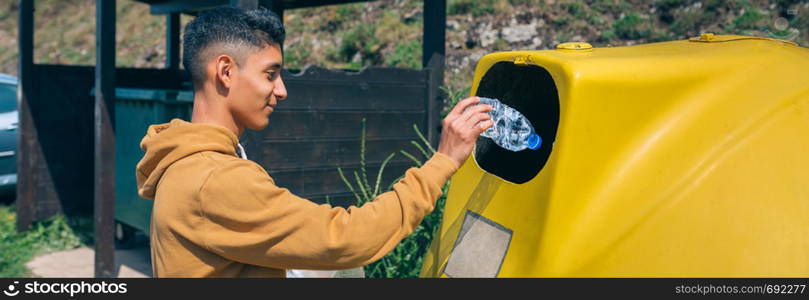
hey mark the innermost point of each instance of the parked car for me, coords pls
(8, 134)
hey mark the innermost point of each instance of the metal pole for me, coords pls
(26, 139)
(105, 140)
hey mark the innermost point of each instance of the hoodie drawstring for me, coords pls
(241, 151)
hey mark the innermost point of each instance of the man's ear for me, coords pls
(225, 70)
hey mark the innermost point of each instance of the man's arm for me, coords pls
(251, 220)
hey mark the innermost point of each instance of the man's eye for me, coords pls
(272, 75)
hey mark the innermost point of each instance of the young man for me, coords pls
(218, 215)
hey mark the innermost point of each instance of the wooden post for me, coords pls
(433, 51)
(244, 4)
(105, 140)
(435, 23)
(276, 6)
(435, 98)
(26, 139)
(173, 41)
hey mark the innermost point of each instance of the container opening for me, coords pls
(531, 90)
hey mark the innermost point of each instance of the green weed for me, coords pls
(453, 96)
(526, 2)
(750, 19)
(661, 36)
(609, 7)
(666, 9)
(575, 8)
(689, 23)
(631, 27)
(596, 20)
(360, 40)
(406, 259)
(475, 7)
(46, 236)
(405, 55)
(295, 56)
(561, 21)
(607, 36)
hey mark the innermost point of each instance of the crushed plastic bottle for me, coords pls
(511, 130)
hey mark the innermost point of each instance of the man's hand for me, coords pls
(462, 128)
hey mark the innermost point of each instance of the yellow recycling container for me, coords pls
(675, 159)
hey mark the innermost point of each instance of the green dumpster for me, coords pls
(135, 110)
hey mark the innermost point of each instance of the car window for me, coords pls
(8, 98)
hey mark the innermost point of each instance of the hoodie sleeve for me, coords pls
(251, 220)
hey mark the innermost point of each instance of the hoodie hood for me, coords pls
(167, 143)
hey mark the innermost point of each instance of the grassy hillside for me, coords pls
(388, 32)
(65, 34)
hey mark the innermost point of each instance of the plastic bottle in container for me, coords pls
(511, 130)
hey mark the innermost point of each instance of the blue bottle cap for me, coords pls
(534, 141)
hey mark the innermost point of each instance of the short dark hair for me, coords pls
(238, 32)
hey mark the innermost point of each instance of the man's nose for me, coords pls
(280, 90)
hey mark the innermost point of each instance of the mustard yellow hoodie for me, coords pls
(217, 215)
